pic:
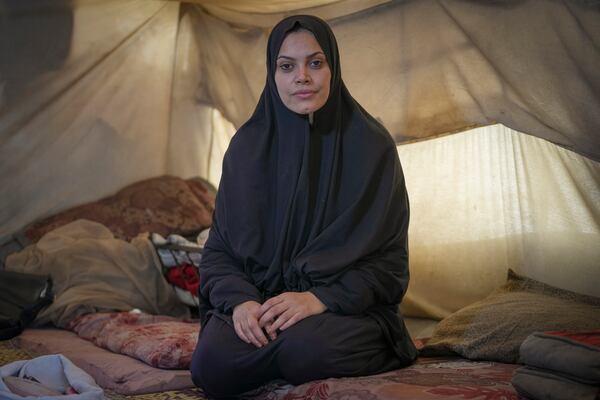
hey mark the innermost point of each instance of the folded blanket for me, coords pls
(539, 384)
(559, 365)
(160, 341)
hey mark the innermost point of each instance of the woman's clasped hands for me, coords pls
(253, 321)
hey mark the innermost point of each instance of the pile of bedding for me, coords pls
(103, 265)
(92, 271)
(99, 254)
(559, 366)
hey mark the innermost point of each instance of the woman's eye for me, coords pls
(285, 66)
(316, 63)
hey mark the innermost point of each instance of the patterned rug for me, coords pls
(427, 379)
(9, 352)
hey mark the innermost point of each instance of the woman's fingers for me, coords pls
(273, 301)
(275, 306)
(272, 334)
(238, 330)
(288, 308)
(245, 323)
(272, 313)
(255, 333)
(279, 312)
(295, 318)
(249, 334)
(283, 318)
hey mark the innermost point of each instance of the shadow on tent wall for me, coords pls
(32, 42)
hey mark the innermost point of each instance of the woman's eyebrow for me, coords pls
(308, 56)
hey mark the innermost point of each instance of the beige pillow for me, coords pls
(494, 328)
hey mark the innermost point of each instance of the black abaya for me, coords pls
(319, 208)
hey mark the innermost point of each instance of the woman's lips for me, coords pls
(304, 94)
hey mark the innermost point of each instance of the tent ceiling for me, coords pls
(96, 94)
(427, 68)
(265, 13)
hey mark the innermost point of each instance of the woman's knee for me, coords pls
(224, 366)
(202, 367)
(213, 373)
(212, 365)
(196, 365)
(305, 358)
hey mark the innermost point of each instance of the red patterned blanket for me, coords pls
(160, 341)
(427, 379)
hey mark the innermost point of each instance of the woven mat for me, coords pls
(9, 352)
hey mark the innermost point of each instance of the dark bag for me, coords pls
(22, 297)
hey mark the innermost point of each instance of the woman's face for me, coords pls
(302, 74)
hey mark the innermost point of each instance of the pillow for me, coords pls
(164, 205)
(494, 328)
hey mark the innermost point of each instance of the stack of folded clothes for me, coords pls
(559, 365)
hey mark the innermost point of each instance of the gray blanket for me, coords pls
(559, 366)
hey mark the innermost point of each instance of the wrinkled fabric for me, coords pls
(541, 384)
(573, 354)
(338, 228)
(158, 340)
(92, 271)
(115, 372)
(559, 365)
(55, 372)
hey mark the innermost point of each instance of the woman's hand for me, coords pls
(245, 322)
(284, 310)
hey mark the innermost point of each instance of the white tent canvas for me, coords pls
(494, 106)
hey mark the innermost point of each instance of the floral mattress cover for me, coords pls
(165, 342)
(428, 378)
(160, 341)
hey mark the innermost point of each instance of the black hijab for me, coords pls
(301, 206)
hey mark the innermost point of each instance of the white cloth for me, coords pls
(55, 372)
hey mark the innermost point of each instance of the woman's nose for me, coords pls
(303, 75)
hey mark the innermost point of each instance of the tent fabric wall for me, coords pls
(99, 121)
(491, 199)
(70, 70)
(429, 67)
(265, 14)
(98, 94)
(192, 130)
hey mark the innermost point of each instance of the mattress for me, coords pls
(116, 372)
(122, 376)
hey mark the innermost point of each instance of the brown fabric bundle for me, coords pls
(494, 328)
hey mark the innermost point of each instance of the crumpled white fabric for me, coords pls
(55, 372)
